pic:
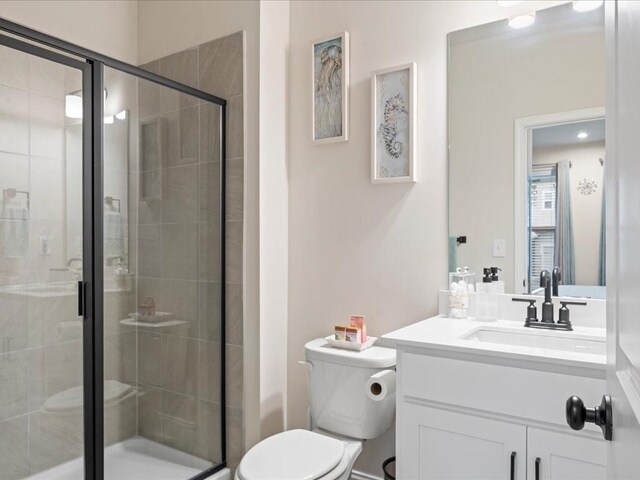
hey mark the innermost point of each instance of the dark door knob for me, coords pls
(578, 415)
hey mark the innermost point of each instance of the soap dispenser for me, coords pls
(498, 285)
(486, 298)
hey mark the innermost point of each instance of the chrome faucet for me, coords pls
(556, 277)
(547, 306)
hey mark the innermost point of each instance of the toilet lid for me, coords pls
(292, 455)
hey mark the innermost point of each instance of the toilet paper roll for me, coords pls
(381, 385)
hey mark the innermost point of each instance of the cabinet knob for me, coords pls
(577, 415)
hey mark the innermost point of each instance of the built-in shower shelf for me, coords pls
(135, 323)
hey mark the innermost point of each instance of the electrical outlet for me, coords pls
(499, 247)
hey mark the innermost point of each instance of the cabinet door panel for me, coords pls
(567, 456)
(439, 444)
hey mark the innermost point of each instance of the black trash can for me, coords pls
(389, 468)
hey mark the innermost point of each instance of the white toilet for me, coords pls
(342, 416)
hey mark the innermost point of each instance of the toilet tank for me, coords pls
(338, 389)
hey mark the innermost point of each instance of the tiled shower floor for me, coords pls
(136, 459)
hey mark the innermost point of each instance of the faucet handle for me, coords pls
(564, 313)
(532, 311)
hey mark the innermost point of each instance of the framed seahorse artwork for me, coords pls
(393, 115)
(330, 88)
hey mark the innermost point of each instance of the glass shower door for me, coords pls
(41, 333)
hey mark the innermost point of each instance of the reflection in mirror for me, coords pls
(565, 225)
(518, 98)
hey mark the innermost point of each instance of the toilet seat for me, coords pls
(295, 455)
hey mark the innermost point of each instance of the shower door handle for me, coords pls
(80, 298)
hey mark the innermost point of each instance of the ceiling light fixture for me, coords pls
(586, 5)
(73, 106)
(508, 3)
(582, 135)
(122, 115)
(108, 120)
(522, 21)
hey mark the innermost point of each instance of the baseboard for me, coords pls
(356, 475)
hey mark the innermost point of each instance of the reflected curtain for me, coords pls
(602, 263)
(564, 252)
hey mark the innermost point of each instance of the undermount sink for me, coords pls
(567, 342)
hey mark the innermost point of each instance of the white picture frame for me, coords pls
(393, 124)
(330, 89)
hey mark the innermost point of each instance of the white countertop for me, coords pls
(447, 334)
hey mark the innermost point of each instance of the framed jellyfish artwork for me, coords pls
(393, 115)
(330, 67)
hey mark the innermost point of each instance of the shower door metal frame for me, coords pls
(91, 289)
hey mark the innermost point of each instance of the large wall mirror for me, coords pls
(527, 150)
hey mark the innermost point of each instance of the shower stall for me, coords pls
(112, 268)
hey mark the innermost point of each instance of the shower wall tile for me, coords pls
(120, 358)
(234, 251)
(150, 250)
(235, 314)
(47, 77)
(209, 191)
(235, 436)
(14, 369)
(46, 189)
(181, 235)
(150, 349)
(52, 320)
(209, 439)
(234, 378)
(150, 211)
(235, 196)
(180, 297)
(179, 251)
(14, 461)
(235, 127)
(120, 420)
(14, 120)
(15, 68)
(209, 132)
(54, 439)
(209, 251)
(117, 306)
(47, 121)
(180, 357)
(180, 422)
(181, 67)
(150, 413)
(180, 194)
(221, 69)
(209, 310)
(210, 362)
(15, 170)
(182, 142)
(53, 369)
(13, 313)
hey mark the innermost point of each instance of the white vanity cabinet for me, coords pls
(440, 444)
(565, 456)
(467, 419)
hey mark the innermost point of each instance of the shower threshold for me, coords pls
(140, 459)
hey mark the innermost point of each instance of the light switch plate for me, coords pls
(499, 246)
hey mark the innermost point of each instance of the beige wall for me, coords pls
(274, 214)
(585, 209)
(355, 247)
(559, 69)
(107, 27)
